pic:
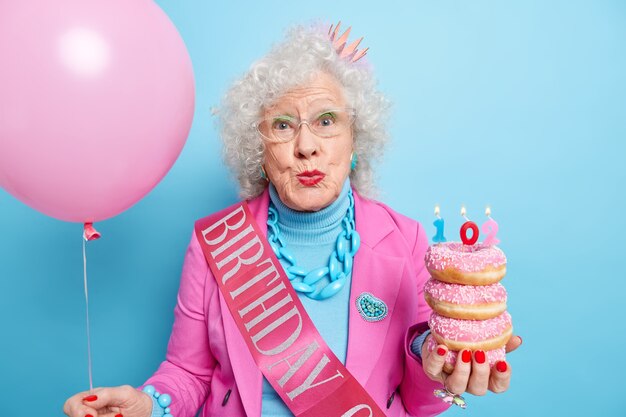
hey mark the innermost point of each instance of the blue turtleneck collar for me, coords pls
(314, 227)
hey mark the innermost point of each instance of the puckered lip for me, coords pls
(313, 173)
(310, 178)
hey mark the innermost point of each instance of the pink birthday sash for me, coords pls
(283, 340)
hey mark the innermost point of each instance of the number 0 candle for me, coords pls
(468, 225)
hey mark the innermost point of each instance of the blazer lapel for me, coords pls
(248, 377)
(371, 267)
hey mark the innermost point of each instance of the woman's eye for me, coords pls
(327, 119)
(281, 125)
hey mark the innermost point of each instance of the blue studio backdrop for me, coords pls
(520, 105)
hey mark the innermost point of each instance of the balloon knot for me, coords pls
(90, 233)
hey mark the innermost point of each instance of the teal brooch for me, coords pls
(371, 308)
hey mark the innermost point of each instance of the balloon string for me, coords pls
(87, 315)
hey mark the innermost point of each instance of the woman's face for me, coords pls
(308, 171)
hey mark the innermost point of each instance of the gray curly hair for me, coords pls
(289, 64)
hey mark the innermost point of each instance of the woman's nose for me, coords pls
(307, 142)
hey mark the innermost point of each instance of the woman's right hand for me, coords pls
(119, 401)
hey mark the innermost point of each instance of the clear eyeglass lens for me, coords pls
(327, 124)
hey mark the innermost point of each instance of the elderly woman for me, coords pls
(301, 129)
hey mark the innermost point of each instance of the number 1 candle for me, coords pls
(439, 224)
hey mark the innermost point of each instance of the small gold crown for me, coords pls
(339, 43)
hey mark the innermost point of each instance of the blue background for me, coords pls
(520, 105)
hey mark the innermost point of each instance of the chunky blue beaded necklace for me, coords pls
(303, 281)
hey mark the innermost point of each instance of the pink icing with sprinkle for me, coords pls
(466, 258)
(469, 330)
(465, 294)
(493, 356)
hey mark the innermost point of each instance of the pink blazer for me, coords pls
(208, 363)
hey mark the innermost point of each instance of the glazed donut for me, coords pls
(459, 334)
(456, 263)
(492, 356)
(468, 302)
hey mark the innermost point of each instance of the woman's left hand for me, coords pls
(471, 373)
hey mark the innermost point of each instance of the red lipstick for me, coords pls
(310, 178)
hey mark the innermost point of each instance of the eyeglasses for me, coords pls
(326, 124)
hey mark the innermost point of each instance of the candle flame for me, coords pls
(488, 211)
(463, 211)
(437, 210)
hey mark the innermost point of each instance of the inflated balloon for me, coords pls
(96, 102)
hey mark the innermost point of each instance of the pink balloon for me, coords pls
(96, 102)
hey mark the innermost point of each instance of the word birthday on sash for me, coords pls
(283, 340)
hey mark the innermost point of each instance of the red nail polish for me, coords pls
(90, 398)
(88, 415)
(119, 415)
(466, 356)
(479, 355)
(501, 366)
(441, 351)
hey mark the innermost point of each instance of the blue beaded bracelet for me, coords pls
(164, 400)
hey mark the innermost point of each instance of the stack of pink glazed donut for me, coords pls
(468, 302)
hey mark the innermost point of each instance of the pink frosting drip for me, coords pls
(465, 258)
(465, 294)
(469, 330)
(493, 356)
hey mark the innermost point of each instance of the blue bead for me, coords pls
(156, 394)
(273, 229)
(347, 264)
(333, 266)
(296, 270)
(149, 389)
(341, 248)
(167, 410)
(286, 255)
(302, 287)
(273, 214)
(333, 288)
(356, 243)
(347, 226)
(165, 400)
(315, 275)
